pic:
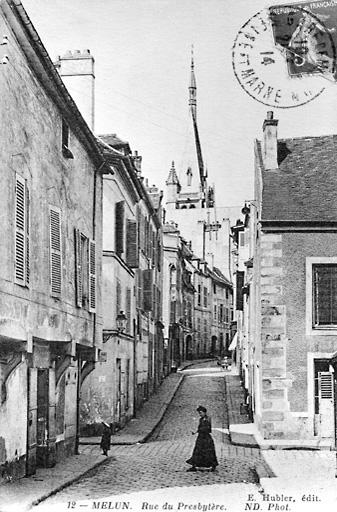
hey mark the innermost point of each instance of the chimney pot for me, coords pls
(77, 71)
(269, 146)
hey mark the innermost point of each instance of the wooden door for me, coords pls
(31, 421)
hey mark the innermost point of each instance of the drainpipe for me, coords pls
(78, 397)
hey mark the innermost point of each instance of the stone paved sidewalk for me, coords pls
(141, 427)
(303, 470)
(48, 481)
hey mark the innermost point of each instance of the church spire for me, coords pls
(172, 178)
(193, 89)
(193, 108)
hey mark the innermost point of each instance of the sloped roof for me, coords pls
(215, 272)
(304, 187)
(115, 142)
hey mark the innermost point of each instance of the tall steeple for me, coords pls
(193, 108)
(193, 90)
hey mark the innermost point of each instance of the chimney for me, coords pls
(269, 147)
(137, 161)
(77, 71)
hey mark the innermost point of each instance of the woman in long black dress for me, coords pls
(203, 455)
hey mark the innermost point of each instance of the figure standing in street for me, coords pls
(106, 438)
(203, 455)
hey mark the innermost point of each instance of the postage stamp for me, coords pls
(282, 54)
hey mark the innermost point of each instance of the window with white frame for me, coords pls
(321, 295)
(324, 287)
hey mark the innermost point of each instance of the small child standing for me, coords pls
(106, 438)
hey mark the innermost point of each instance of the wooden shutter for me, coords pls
(118, 298)
(132, 253)
(140, 229)
(159, 255)
(27, 235)
(55, 251)
(326, 404)
(147, 290)
(153, 249)
(139, 290)
(21, 231)
(128, 311)
(78, 268)
(239, 289)
(119, 227)
(92, 275)
(325, 385)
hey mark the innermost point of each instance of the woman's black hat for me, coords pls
(201, 408)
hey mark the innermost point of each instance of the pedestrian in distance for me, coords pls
(203, 455)
(106, 438)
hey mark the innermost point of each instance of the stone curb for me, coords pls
(80, 475)
(143, 438)
(163, 410)
(65, 484)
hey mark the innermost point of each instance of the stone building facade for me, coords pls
(292, 290)
(109, 392)
(51, 234)
(134, 365)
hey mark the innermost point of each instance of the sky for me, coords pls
(142, 67)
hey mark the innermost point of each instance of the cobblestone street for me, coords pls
(160, 463)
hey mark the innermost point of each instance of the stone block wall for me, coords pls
(285, 344)
(273, 338)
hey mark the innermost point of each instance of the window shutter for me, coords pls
(158, 253)
(154, 300)
(119, 227)
(128, 310)
(147, 234)
(118, 298)
(132, 256)
(153, 249)
(147, 290)
(140, 229)
(92, 275)
(78, 268)
(325, 385)
(27, 235)
(139, 290)
(55, 251)
(239, 291)
(21, 232)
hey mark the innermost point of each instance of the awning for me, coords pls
(234, 342)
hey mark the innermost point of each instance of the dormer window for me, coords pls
(65, 140)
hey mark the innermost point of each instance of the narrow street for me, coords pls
(160, 463)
